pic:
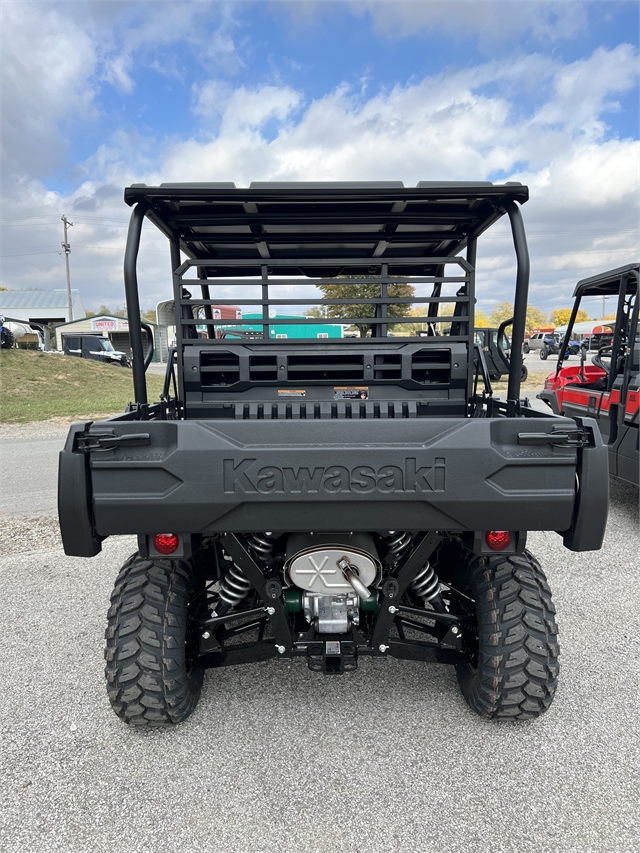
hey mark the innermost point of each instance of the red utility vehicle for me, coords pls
(608, 388)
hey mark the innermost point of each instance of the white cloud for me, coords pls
(467, 124)
(242, 107)
(582, 90)
(46, 67)
(55, 55)
(491, 20)
(144, 28)
(547, 21)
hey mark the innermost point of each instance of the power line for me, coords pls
(39, 216)
(122, 222)
(571, 231)
(120, 249)
(98, 248)
(29, 254)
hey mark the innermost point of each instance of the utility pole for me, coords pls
(66, 248)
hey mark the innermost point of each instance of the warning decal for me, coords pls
(354, 392)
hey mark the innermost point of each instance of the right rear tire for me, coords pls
(152, 679)
(544, 353)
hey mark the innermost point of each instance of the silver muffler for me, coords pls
(332, 564)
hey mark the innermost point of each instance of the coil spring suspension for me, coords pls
(397, 544)
(261, 544)
(426, 586)
(234, 588)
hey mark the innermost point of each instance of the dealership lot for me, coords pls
(279, 758)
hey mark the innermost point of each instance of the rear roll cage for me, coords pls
(510, 207)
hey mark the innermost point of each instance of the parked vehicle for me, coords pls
(549, 343)
(7, 338)
(94, 347)
(602, 336)
(326, 500)
(589, 334)
(608, 389)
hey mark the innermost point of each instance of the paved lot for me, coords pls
(536, 365)
(29, 460)
(279, 759)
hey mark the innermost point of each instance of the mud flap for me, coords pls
(592, 497)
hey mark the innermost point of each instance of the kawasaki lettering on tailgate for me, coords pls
(244, 478)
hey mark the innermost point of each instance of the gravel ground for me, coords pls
(276, 758)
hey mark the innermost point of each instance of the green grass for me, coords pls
(36, 386)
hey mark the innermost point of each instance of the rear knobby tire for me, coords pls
(512, 673)
(151, 680)
(524, 373)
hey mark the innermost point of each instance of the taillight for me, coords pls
(498, 540)
(166, 543)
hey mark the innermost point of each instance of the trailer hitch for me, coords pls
(101, 442)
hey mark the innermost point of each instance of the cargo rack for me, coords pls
(292, 234)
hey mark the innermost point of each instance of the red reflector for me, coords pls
(498, 539)
(166, 543)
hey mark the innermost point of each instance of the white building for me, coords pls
(41, 306)
(110, 326)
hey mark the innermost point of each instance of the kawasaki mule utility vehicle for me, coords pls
(497, 351)
(327, 499)
(608, 389)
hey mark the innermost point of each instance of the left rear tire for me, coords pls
(152, 677)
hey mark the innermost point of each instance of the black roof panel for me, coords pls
(382, 222)
(607, 283)
(278, 185)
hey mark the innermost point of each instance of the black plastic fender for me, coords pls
(592, 496)
(75, 513)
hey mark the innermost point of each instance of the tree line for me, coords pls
(536, 317)
(148, 316)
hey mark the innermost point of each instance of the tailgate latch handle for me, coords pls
(100, 442)
(557, 438)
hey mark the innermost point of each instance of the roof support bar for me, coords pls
(567, 337)
(521, 298)
(133, 302)
(630, 365)
(208, 311)
(618, 333)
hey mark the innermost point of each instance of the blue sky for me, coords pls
(99, 95)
